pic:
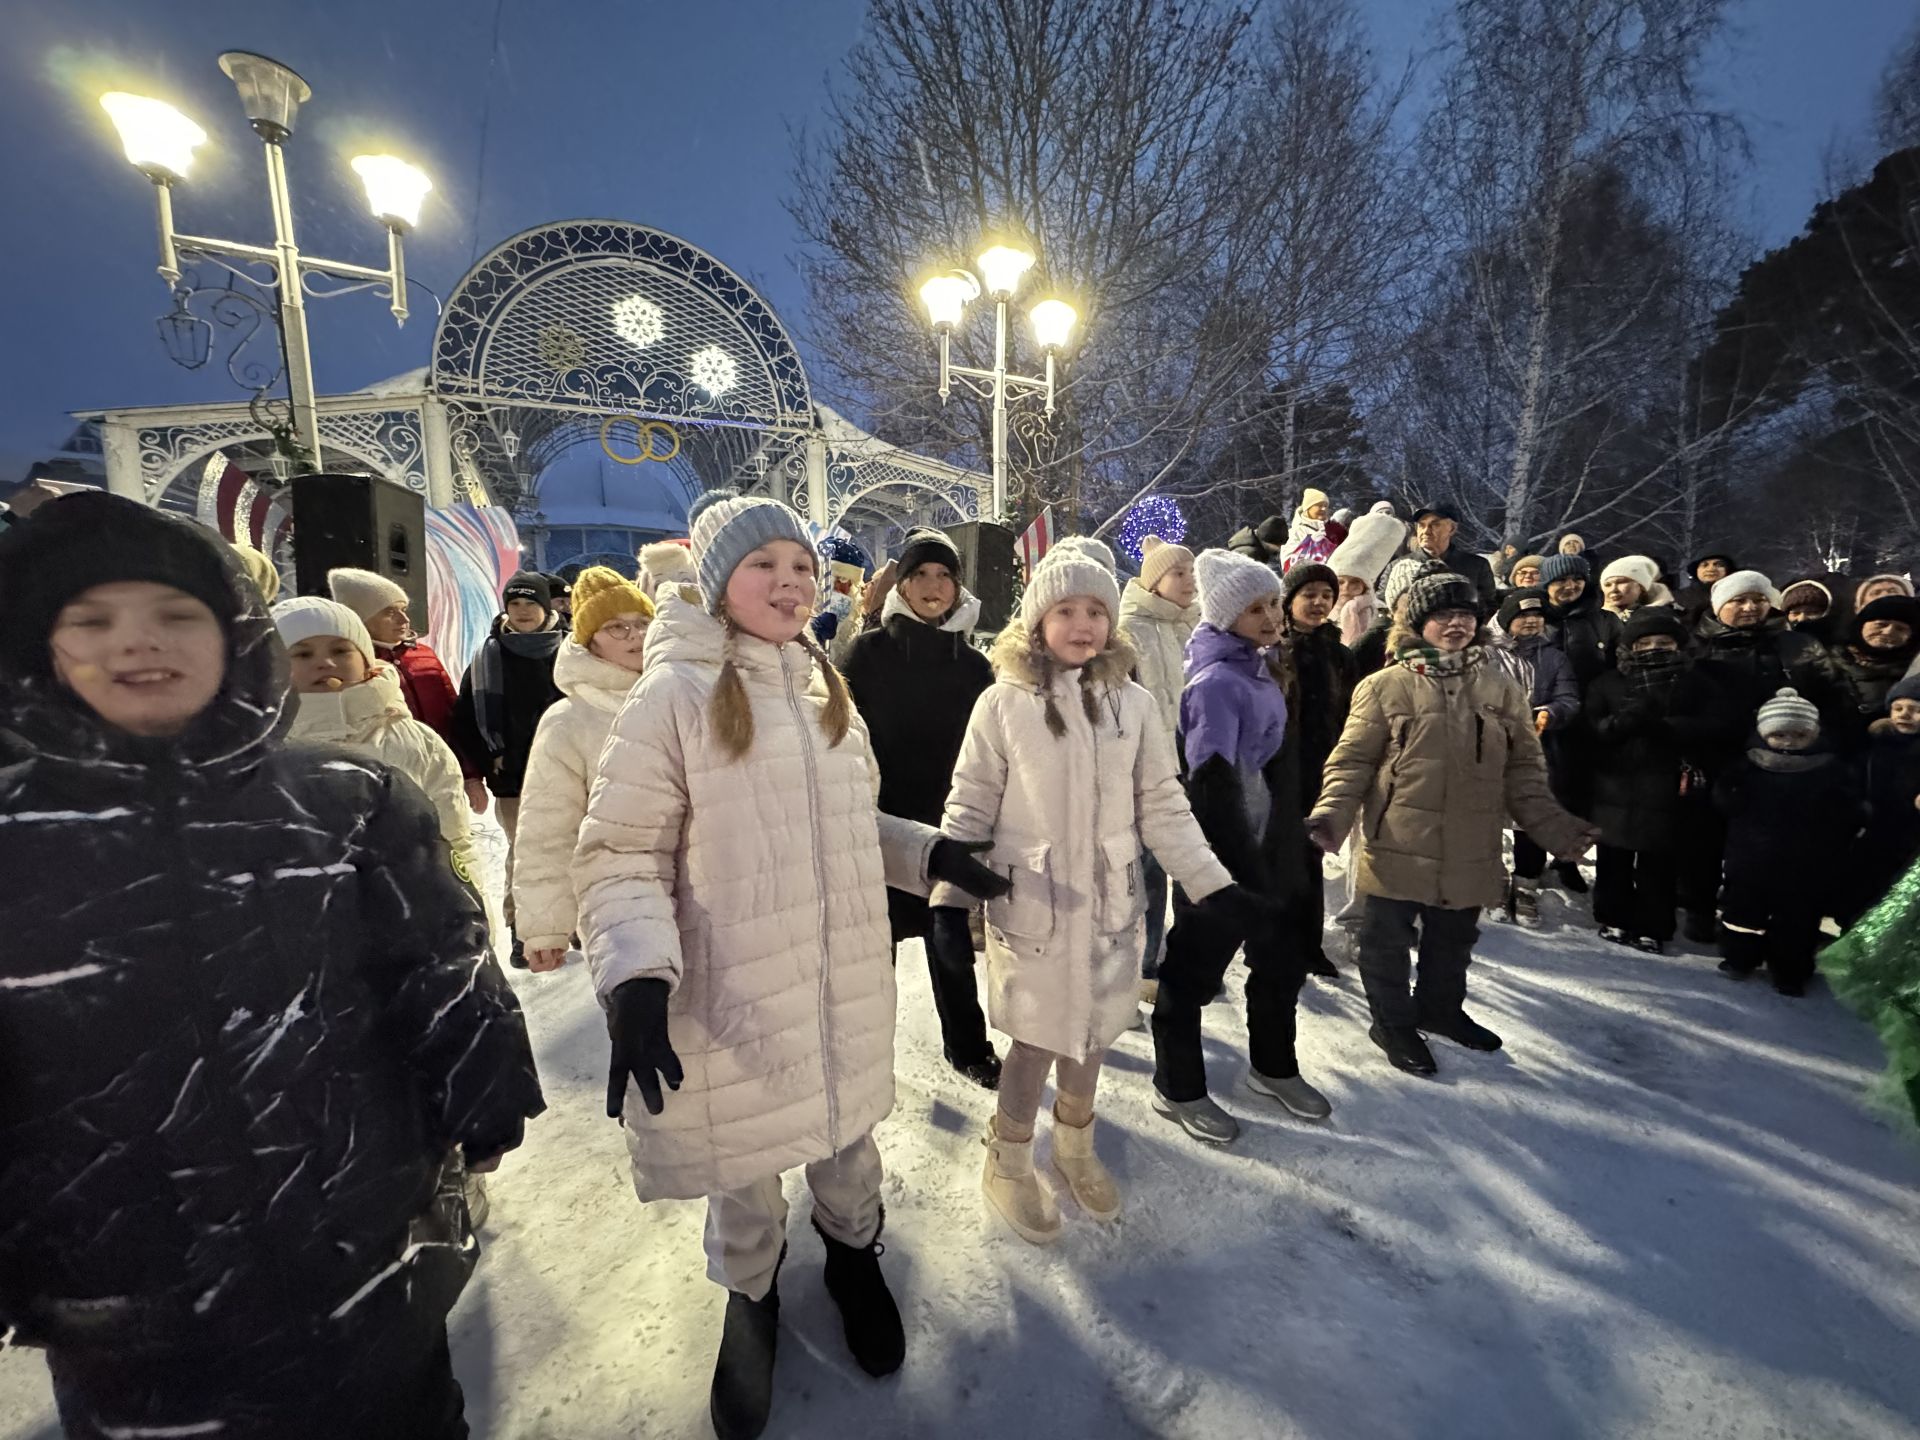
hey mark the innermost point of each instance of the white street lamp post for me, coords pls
(946, 296)
(160, 141)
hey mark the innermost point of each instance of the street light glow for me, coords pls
(1002, 267)
(394, 188)
(1053, 322)
(157, 138)
(946, 298)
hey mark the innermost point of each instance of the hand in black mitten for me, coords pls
(637, 1025)
(1242, 909)
(953, 862)
(949, 940)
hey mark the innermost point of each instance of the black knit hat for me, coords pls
(1433, 593)
(529, 585)
(90, 538)
(1528, 600)
(1902, 608)
(1652, 620)
(1272, 531)
(926, 546)
(1300, 576)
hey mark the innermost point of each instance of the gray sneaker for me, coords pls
(1293, 1092)
(1200, 1118)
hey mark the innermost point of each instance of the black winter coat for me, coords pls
(1589, 633)
(1789, 814)
(1735, 671)
(1369, 652)
(1891, 842)
(1869, 675)
(915, 685)
(246, 1011)
(1323, 681)
(529, 691)
(1637, 754)
(1469, 565)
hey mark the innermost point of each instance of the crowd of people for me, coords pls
(258, 1049)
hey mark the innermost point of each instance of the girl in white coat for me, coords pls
(732, 874)
(1068, 771)
(596, 667)
(349, 698)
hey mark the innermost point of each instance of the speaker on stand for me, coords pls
(363, 522)
(990, 568)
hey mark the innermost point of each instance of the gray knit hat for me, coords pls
(1401, 575)
(1087, 548)
(728, 530)
(1229, 583)
(1431, 594)
(1565, 567)
(1787, 711)
(1064, 572)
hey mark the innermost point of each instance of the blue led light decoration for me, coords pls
(1153, 515)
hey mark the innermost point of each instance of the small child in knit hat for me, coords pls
(1793, 809)
(1067, 772)
(429, 690)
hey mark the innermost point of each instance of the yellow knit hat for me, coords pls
(599, 594)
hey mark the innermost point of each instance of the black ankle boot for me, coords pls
(742, 1396)
(1570, 876)
(867, 1313)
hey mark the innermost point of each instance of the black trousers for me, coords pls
(1703, 843)
(1529, 860)
(1389, 931)
(1199, 949)
(956, 996)
(385, 1380)
(1304, 918)
(1785, 909)
(1633, 891)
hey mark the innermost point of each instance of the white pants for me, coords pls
(746, 1228)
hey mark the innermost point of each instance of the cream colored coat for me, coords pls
(1067, 816)
(553, 802)
(1159, 630)
(757, 889)
(373, 716)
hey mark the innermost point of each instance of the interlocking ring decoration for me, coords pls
(646, 429)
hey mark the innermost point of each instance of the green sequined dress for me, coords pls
(1875, 969)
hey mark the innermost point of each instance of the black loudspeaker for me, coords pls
(989, 569)
(367, 523)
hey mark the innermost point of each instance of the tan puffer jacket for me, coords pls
(1434, 765)
(553, 802)
(1067, 816)
(757, 888)
(373, 716)
(1159, 630)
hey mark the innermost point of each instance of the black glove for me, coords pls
(637, 1025)
(953, 862)
(1242, 909)
(949, 939)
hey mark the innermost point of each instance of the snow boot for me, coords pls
(1523, 902)
(1745, 950)
(742, 1395)
(984, 1073)
(517, 956)
(1700, 926)
(1318, 964)
(1570, 876)
(1291, 1091)
(1022, 1197)
(1614, 935)
(1647, 945)
(479, 1207)
(1404, 1048)
(1462, 1029)
(868, 1314)
(1200, 1118)
(1088, 1181)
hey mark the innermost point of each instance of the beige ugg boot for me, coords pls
(1023, 1198)
(1075, 1163)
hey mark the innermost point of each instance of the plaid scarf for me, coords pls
(1424, 659)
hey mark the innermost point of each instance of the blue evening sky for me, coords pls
(672, 115)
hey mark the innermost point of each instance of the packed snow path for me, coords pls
(1668, 1209)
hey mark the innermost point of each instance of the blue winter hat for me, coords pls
(843, 550)
(1907, 689)
(728, 530)
(1565, 567)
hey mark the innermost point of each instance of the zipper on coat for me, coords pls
(819, 889)
(1479, 735)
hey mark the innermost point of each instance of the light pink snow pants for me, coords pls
(747, 1227)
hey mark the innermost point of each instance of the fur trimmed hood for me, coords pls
(1017, 659)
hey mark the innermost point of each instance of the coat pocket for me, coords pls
(1123, 888)
(1027, 909)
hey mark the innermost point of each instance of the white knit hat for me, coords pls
(1787, 711)
(1087, 548)
(1742, 582)
(1229, 583)
(1637, 568)
(363, 592)
(1157, 557)
(1369, 547)
(1063, 573)
(306, 616)
(729, 530)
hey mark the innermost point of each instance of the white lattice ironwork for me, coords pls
(389, 442)
(866, 472)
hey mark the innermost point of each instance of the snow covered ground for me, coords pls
(1668, 1209)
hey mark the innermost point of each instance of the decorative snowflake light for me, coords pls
(1153, 515)
(561, 347)
(638, 321)
(713, 370)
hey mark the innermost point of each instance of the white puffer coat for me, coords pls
(757, 888)
(373, 716)
(553, 802)
(1067, 816)
(1159, 630)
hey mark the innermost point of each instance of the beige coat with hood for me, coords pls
(756, 887)
(1432, 766)
(553, 802)
(1068, 816)
(1159, 630)
(373, 716)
